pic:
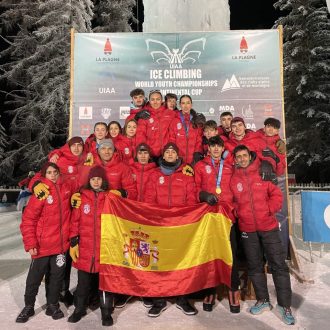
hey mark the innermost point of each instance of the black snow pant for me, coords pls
(255, 245)
(88, 285)
(54, 265)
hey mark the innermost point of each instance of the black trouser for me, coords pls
(88, 284)
(53, 265)
(234, 237)
(255, 245)
(66, 280)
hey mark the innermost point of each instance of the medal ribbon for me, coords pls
(186, 128)
(219, 175)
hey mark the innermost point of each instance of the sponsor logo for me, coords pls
(244, 235)
(243, 52)
(178, 126)
(107, 47)
(247, 112)
(243, 46)
(124, 112)
(208, 169)
(225, 108)
(126, 151)
(211, 111)
(50, 199)
(188, 54)
(105, 113)
(239, 187)
(107, 90)
(85, 112)
(151, 120)
(107, 52)
(230, 84)
(85, 130)
(87, 208)
(161, 180)
(60, 260)
(251, 126)
(268, 110)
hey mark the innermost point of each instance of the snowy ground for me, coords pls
(310, 301)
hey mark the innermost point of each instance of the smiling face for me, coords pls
(242, 158)
(76, 149)
(185, 105)
(105, 153)
(131, 129)
(271, 130)
(238, 129)
(155, 100)
(114, 130)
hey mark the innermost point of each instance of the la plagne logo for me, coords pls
(107, 51)
(230, 84)
(188, 54)
(244, 53)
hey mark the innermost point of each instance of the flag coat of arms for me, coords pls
(153, 251)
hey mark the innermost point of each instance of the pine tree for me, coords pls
(113, 15)
(3, 142)
(306, 48)
(39, 71)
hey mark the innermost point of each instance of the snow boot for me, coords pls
(234, 304)
(25, 314)
(106, 305)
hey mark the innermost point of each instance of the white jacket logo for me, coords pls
(190, 52)
(239, 187)
(50, 199)
(87, 208)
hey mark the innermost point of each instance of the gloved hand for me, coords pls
(76, 200)
(40, 190)
(143, 114)
(270, 153)
(208, 198)
(188, 170)
(197, 156)
(89, 160)
(119, 192)
(281, 147)
(74, 252)
(266, 172)
(74, 248)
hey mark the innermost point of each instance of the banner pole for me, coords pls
(71, 80)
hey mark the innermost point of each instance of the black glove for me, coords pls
(208, 198)
(267, 172)
(270, 153)
(197, 156)
(123, 192)
(74, 241)
(143, 114)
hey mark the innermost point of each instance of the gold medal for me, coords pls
(218, 190)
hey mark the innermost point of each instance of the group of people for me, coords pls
(168, 157)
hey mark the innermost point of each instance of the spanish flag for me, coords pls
(153, 251)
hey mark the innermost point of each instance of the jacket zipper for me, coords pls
(60, 204)
(141, 180)
(251, 200)
(170, 191)
(94, 230)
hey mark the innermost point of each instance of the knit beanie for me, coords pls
(97, 171)
(75, 139)
(171, 145)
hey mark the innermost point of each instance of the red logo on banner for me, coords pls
(243, 47)
(107, 47)
(85, 130)
(268, 111)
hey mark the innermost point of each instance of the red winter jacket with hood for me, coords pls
(176, 189)
(86, 223)
(45, 223)
(126, 146)
(187, 143)
(141, 174)
(256, 201)
(155, 130)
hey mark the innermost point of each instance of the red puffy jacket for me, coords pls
(155, 130)
(141, 174)
(67, 162)
(86, 223)
(176, 189)
(256, 201)
(91, 144)
(271, 144)
(206, 178)
(126, 146)
(119, 175)
(45, 224)
(187, 143)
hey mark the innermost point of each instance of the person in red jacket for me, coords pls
(126, 144)
(170, 101)
(115, 130)
(210, 129)
(45, 232)
(169, 186)
(154, 130)
(185, 133)
(212, 178)
(256, 202)
(225, 123)
(85, 236)
(137, 104)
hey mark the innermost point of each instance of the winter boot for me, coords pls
(106, 305)
(79, 311)
(54, 311)
(234, 304)
(25, 314)
(67, 298)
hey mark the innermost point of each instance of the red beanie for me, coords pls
(75, 139)
(171, 145)
(97, 171)
(46, 165)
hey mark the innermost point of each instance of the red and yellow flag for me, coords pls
(151, 251)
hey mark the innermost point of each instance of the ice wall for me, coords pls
(186, 15)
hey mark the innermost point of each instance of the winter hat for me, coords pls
(75, 139)
(97, 171)
(143, 147)
(46, 165)
(106, 143)
(171, 145)
(237, 119)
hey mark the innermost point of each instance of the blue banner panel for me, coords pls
(316, 216)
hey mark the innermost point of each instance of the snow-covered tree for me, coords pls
(39, 71)
(3, 141)
(113, 15)
(306, 50)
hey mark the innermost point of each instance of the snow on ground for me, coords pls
(310, 301)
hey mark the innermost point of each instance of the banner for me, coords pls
(316, 216)
(152, 251)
